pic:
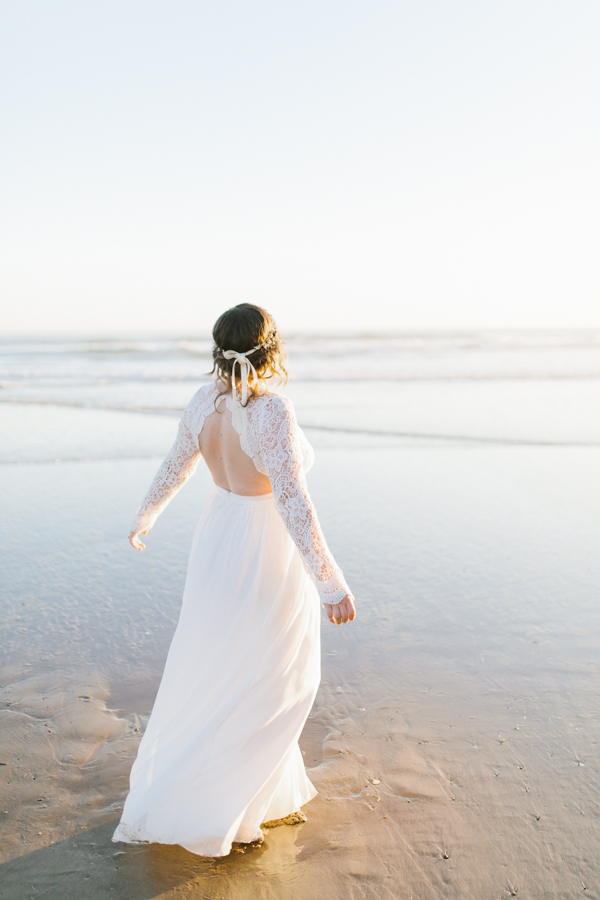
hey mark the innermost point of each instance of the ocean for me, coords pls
(488, 387)
(454, 739)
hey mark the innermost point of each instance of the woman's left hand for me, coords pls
(135, 541)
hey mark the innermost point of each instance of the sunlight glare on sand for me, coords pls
(454, 739)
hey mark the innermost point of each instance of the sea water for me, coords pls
(454, 741)
(515, 387)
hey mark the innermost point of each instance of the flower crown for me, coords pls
(269, 342)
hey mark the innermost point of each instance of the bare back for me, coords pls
(229, 466)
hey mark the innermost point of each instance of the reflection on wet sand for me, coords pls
(454, 740)
(419, 795)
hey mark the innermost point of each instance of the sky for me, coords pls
(352, 166)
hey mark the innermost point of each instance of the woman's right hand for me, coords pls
(341, 612)
(135, 541)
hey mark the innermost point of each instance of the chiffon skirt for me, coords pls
(220, 754)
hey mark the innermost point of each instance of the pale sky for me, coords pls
(350, 165)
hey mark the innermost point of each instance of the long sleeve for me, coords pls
(281, 452)
(178, 466)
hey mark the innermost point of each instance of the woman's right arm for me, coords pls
(281, 455)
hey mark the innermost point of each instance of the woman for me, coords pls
(220, 754)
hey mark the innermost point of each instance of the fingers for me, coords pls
(333, 614)
(340, 613)
(135, 542)
(344, 611)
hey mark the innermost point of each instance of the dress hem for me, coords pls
(134, 836)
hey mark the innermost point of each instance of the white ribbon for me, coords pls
(245, 365)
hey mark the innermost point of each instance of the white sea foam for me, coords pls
(77, 363)
(487, 388)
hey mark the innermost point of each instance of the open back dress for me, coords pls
(220, 753)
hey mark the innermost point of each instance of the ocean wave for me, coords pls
(436, 356)
(317, 343)
(73, 380)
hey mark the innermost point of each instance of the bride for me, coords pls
(220, 754)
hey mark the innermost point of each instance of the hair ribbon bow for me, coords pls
(245, 367)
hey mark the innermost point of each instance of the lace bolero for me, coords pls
(279, 449)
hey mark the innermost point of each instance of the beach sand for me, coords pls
(454, 740)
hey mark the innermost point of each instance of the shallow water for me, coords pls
(454, 740)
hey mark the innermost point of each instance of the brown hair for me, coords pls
(241, 328)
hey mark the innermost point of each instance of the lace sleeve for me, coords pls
(281, 452)
(178, 466)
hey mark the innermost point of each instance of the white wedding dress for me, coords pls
(220, 754)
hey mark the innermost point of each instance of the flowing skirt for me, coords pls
(220, 754)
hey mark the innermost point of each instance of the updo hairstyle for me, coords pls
(241, 328)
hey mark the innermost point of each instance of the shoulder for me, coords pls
(200, 405)
(274, 406)
(276, 402)
(202, 395)
(277, 424)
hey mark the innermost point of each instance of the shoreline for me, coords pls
(459, 707)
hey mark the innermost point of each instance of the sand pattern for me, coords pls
(454, 738)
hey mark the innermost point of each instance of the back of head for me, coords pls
(243, 328)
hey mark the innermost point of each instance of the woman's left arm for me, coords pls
(178, 467)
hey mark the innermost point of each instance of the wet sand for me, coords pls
(454, 740)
